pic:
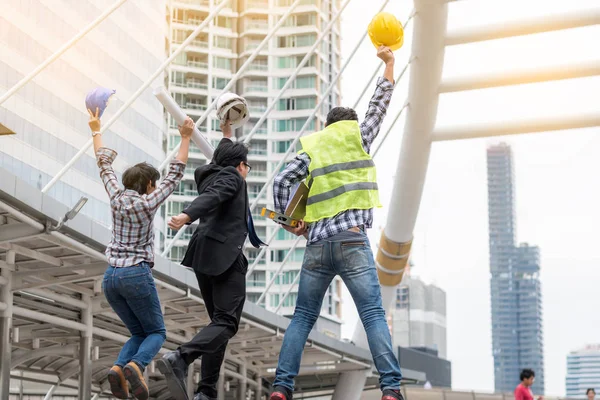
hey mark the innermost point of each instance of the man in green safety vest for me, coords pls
(343, 192)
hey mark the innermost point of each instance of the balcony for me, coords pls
(257, 25)
(255, 283)
(197, 64)
(192, 83)
(256, 88)
(257, 109)
(186, 192)
(195, 106)
(258, 67)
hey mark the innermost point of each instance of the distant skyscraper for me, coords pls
(583, 371)
(517, 335)
(419, 316)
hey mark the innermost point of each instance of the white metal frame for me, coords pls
(60, 51)
(138, 93)
(429, 41)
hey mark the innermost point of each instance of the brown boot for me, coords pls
(135, 377)
(118, 383)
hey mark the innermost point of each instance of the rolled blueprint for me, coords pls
(173, 108)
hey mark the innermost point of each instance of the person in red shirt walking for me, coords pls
(523, 390)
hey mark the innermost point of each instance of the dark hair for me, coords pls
(527, 373)
(137, 177)
(590, 390)
(230, 154)
(341, 114)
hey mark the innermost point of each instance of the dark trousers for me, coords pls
(224, 297)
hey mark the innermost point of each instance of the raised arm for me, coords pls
(104, 157)
(380, 101)
(176, 169)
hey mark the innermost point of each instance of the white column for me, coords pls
(243, 382)
(85, 351)
(221, 384)
(191, 388)
(394, 248)
(6, 297)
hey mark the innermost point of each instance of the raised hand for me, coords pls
(94, 121)
(187, 128)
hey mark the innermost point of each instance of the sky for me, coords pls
(557, 196)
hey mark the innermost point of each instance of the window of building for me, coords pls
(220, 83)
(223, 42)
(292, 125)
(281, 146)
(294, 61)
(222, 63)
(224, 22)
(279, 255)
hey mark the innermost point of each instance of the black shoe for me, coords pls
(175, 369)
(281, 393)
(389, 394)
(202, 396)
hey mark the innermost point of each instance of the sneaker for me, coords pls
(175, 369)
(118, 383)
(280, 393)
(389, 394)
(135, 376)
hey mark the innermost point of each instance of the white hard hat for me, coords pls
(234, 108)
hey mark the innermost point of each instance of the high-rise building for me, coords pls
(200, 73)
(48, 114)
(583, 371)
(419, 316)
(516, 300)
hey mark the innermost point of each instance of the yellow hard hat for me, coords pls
(386, 30)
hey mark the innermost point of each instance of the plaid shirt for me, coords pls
(297, 170)
(132, 239)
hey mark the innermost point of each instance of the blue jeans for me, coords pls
(131, 293)
(349, 255)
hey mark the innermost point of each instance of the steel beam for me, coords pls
(538, 24)
(510, 127)
(18, 231)
(60, 51)
(523, 77)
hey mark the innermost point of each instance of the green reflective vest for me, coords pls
(342, 176)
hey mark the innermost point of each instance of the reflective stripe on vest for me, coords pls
(342, 175)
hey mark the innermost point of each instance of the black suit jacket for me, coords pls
(221, 208)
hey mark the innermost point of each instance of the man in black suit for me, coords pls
(215, 254)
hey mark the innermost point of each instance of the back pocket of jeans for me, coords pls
(136, 286)
(313, 256)
(355, 253)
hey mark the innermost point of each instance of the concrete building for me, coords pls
(48, 114)
(583, 371)
(203, 70)
(516, 300)
(419, 317)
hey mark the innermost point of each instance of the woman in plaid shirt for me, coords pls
(128, 283)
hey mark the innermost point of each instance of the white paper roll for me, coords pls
(176, 112)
